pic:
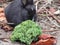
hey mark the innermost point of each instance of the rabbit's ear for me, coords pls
(24, 2)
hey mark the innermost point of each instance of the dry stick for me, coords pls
(48, 2)
(49, 20)
(47, 24)
(50, 30)
(4, 38)
(56, 19)
(53, 22)
(1, 38)
(1, 23)
(42, 7)
(36, 4)
(49, 12)
(54, 16)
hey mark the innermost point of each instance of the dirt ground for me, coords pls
(7, 41)
(58, 38)
(44, 20)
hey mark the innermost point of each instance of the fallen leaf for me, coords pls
(52, 10)
(44, 36)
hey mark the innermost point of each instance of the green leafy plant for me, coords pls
(26, 32)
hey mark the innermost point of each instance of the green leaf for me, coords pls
(26, 32)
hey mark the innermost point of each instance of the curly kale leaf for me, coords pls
(26, 32)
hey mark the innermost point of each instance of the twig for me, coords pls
(36, 4)
(4, 38)
(48, 24)
(54, 16)
(42, 7)
(48, 2)
(49, 30)
(53, 22)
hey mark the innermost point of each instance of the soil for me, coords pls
(43, 20)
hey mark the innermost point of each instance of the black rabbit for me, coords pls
(20, 10)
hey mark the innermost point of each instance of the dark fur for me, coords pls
(17, 11)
